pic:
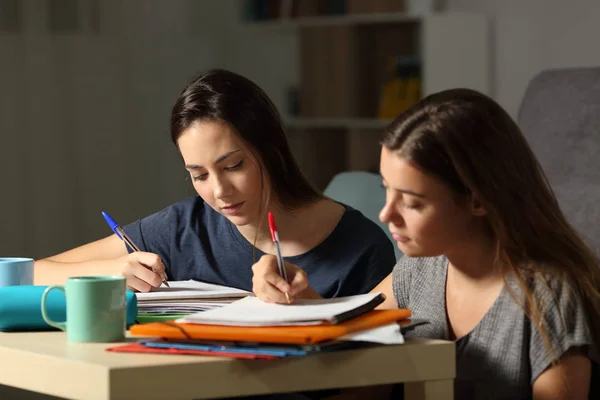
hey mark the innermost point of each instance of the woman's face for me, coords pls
(423, 214)
(223, 170)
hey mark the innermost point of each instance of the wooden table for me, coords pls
(45, 362)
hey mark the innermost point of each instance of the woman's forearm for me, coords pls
(49, 272)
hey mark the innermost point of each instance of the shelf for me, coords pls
(332, 123)
(336, 20)
(338, 65)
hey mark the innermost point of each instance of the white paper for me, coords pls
(191, 289)
(251, 311)
(386, 334)
(185, 303)
(186, 307)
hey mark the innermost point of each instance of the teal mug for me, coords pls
(96, 307)
(16, 271)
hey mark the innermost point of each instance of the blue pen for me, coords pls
(122, 235)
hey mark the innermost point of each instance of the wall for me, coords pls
(534, 35)
(84, 119)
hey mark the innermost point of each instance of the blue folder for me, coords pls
(20, 308)
(252, 348)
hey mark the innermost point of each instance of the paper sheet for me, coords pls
(386, 334)
(252, 311)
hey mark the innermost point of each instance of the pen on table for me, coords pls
(280, 263)
(123, 236)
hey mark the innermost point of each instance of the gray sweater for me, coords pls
(504, 354)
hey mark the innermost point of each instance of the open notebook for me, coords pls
(187, 297)
(251, 311)
(191, 290)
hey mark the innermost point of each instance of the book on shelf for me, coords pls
(403, 87)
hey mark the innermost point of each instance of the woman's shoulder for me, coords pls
(417, 280)
(551, 291)
(419, 269)
(560, 311)
(355, 223)
(355, 229)
(421, 265)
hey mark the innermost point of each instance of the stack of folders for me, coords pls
(251, 328)
(185, 297)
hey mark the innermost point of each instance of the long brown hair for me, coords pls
(470, 143)
(224, 96)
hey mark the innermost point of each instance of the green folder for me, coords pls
(145, 318)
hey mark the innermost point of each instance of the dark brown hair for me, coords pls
(223, 96)
(471, 144)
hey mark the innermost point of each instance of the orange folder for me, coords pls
(297, 334)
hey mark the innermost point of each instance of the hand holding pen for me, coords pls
(269, 285)
(141, 268)
(277, 281)
(280, 262)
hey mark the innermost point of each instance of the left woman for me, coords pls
(235, 150)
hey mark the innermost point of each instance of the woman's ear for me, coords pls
(477, 208)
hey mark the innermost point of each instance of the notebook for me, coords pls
(191, 289)
(251, 311)
(186, 297)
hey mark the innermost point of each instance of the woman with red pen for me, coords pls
(236, 153)
(490, 260)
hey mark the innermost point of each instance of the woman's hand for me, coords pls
(268, 285)
(142, 270)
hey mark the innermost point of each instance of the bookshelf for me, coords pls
(333, 20)
(348, 58)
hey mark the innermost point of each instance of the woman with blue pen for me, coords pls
(236, 152)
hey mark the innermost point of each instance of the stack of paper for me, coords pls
(185, 297)
(251, 328)
(252, 311)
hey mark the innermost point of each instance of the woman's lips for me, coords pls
(233, 209)
(399, 238)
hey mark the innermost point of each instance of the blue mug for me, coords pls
(16, 271)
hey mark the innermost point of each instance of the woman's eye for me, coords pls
(413, 206)
(201, 177)
(236, 166)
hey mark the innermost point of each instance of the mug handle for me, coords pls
(60, 325)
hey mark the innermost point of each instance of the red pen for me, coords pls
(275, 236)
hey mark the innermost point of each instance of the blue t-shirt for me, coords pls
(196, 242)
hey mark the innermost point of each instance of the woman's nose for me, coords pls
(221, 188)
(384, 214)
(389, 214)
